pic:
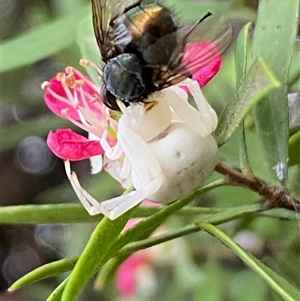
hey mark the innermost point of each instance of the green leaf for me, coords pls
(294, 74)
(145, 227)
(75, 213)
(41, 42)
(273, 40)
(294, 149)
(258, 82)
(96, 250)
(193, 10)
(150, 223)
(216, 218)
(46, 214)
(241, 54)
(276, 282)
(241, 65)
(45, 271)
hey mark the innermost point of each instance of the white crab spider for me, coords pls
(165, 152)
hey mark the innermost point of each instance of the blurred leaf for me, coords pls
(214, 275)
(294, 149)
(276, 282)
(258, 82)
(242, 287)
(91, 258)
(45, 271)
(294, 74)
(102, 186)
(273, 40)
(67, 6)
(41, 42)
(11, 135)
(88, 46)
(194, 10)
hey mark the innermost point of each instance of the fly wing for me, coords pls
(105, 14)
(196, 48)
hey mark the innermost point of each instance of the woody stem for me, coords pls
(276, 197)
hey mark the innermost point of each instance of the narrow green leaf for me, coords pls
(145, 227)
(41, 42)
(99, 244)
(273, 40)
(282, 214)
(45, 271)
(75, 213)
(46, 214)
(227, 214)
(241, 54)
(258, 83)
(150, 223)
(57, 293)
(242, 50)
(220, 218)
(294, 149)
(276, 282)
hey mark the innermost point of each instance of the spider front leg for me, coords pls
(114, 164)
(204, 120)
(208, 113)
(92, 206)
(117, 206)
(147, 174)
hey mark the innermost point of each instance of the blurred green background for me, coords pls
(41, 38)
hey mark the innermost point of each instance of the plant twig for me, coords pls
(276, 197)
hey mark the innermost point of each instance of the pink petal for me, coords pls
(197, 51)
(58, 101)
(55, 104)
(206, 73)
(126, 281)
(68, 145)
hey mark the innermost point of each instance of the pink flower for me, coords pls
(74, 96)
(66, 144)
(127, 274)
(202, 52)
